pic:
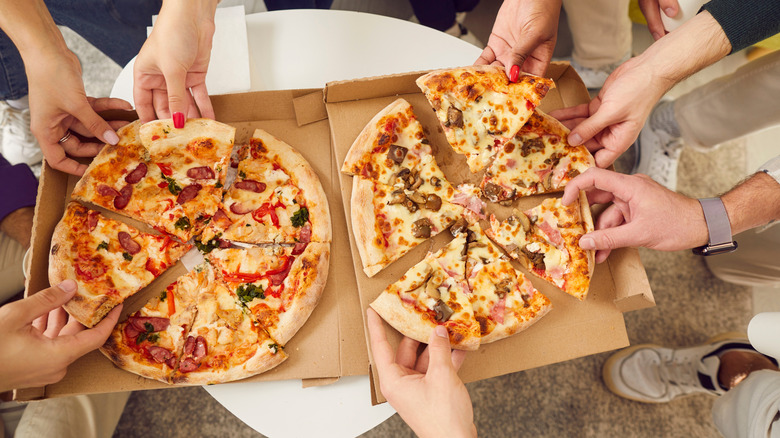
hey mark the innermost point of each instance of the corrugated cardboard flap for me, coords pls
(631, 284)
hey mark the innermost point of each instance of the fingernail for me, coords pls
(110, 137)
(575, 139)
(67, 286)
(656, 36)
(514, 73)
(587, 243)
(178, 120)
(669, 12)
(441, 331)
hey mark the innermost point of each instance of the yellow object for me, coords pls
(635, 13)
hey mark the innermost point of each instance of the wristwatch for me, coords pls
(718, 227)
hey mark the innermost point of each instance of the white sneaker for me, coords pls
(594, 78)
(652, 374)
(657, 155)
(18, 143)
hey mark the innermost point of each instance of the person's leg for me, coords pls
(277, 5)
(751, 409)
(754, 263)
(82, 416)
(601, 33)
(438, 14)
(731, 106)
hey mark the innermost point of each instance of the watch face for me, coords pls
(719, 248)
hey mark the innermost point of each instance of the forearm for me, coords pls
(18, 225)
(753, 203)
(694, 46)
(30, 27)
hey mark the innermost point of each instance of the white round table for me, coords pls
(306, 49)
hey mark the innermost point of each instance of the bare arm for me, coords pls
(18, 225)
(753, 203)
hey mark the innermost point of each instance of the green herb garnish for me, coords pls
(163, 295)
(274, 348)
(218, 184)
(127, 256)
(183, 223)
(173, 186)
(248, 292)
(300, 217)
(102, 245)
(207, 247)
(153, 338)
(242, 174)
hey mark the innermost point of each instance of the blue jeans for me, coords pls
(116, 27)
(440, 14)
(276, 5)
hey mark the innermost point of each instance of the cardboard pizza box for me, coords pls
(573, 328)
(319, 353)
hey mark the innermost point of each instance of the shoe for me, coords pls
(18, 143)
(657, 155)
(652, 374)
(594, 78)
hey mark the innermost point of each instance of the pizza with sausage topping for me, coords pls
(109, 260)
(480, 109)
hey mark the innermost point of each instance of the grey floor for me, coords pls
(567, 399)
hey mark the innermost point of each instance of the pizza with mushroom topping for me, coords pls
(538, 159)
(480, 109)
(109, 260)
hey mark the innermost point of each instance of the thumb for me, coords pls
(440, 355)
(589, 128)
(27, 310)
(612, 238)
(95, 124)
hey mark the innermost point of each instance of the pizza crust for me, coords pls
(587, 221)
(124, 358)
(262, 361)
(364, 226)
(175, 138)
(364, 143)
(390, 307)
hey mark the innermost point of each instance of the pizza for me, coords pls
(480, 109)
(546, 240)
(275, 198)
(279, 285)
(109, 260)
(169, 178)
(538, 159)
(150, 341)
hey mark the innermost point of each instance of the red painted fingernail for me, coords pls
(514, 73)
(178, 120)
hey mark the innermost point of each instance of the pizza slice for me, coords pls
(224, 343)
(150, 341)
(276, 198)
(109, 260)
(388, 222)
(280, 285)
(546, 240)
(427, 296)
(391, 143)
(171, 180)
(538, 159)
(479, 109)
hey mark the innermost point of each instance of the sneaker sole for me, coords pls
(610, 383)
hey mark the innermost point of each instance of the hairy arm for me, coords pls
(753, 203)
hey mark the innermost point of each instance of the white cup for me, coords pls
(764, 333)
(686, 10)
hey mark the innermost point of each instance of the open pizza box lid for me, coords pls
(573, 328)
(319, 353)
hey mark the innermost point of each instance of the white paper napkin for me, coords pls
(229, 64)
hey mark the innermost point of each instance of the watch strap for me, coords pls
(772, 168)
(718, 226)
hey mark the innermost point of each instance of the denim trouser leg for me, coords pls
(116, 27)
(276, 5)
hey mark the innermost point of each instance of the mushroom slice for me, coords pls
(458, 226)
(443, 311)
(417, 197)
(433, 202)
(397, 197)
(421, 228)
(432, 290)
(397, 153)
(455, 117)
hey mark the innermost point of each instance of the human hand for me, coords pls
(652, 11)
(425, 390)
(39, 339)
(58, 103)
(643, 213)
(524, 35)
(611, 122)
(170, 70)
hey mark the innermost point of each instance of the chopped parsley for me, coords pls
(163, 295)
(127, 256)
(207, 247)
(183, 223)
(148, 335)
(300, 217)
(166, 131)
(248, 292)
(173, 186)
(274, 347)
(242, 174)
(102, 245)
(218, 184)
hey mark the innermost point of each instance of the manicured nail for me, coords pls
(178, 120)
(441, 331)
(514, 73)
(67, 286)
(587, 243)
(575, 139)
(656, 36)
(669, 12)
(110, 137)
